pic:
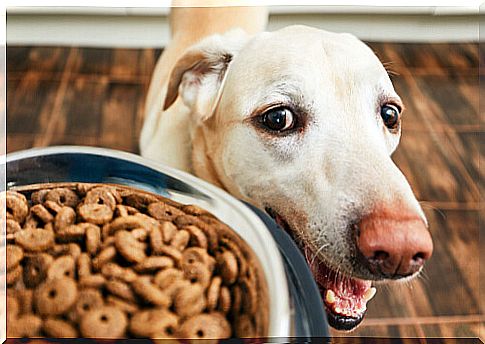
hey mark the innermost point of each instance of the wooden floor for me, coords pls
(95, 97)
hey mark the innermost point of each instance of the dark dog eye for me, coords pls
(390, 115)
(278, 119)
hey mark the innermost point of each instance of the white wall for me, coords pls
(148, 27)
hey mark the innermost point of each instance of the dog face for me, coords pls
(302, 123)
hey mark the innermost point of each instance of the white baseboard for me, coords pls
(140, 30)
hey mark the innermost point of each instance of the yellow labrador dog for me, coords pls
(300, 122)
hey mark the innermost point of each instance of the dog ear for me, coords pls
(199, 73)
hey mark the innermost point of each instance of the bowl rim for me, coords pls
(267, 252)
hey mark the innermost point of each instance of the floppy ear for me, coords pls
(198, 75)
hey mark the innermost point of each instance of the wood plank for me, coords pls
(470, 51)
(83, 106)
(434, 169)
(25, 100)
(389, 331)
(453, 105)
(148, 59)
(18, 141)
(17, 58)
(411, 116)
(125, 63)
(481, 259)
(414, 56)
(118, 117)
(31, 59)
(96, 61)
(433, 320)
(11, 86)
(435, 100)
(75, 140)
(460, 333)
(425, 113)
(436, 58)
(472, 145)
(451, 279)
(54, 117)
(120, 78)
(452, 58)
(481, 89)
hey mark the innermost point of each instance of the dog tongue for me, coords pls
(342, 295)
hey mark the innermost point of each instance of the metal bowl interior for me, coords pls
(86, 164)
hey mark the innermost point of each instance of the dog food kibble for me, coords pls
(108, 261)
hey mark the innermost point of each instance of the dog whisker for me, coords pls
(388, 68)
(408, 284)
(423, 277)
(316, 253)
(426, 205)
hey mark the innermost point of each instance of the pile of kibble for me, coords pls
(105, 261)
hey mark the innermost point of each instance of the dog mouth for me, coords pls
(345, 298)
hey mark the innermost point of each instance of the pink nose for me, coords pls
(394, 245)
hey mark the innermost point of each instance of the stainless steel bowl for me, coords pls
(295, 305)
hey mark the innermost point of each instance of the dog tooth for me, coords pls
(330, 296)
(369, 294)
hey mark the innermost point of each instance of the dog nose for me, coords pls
(394, 246)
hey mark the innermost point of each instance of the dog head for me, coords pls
(302, 123)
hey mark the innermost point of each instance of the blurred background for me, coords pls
(79, 75)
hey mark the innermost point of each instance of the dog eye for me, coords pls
(278, 119)
(390, 115)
